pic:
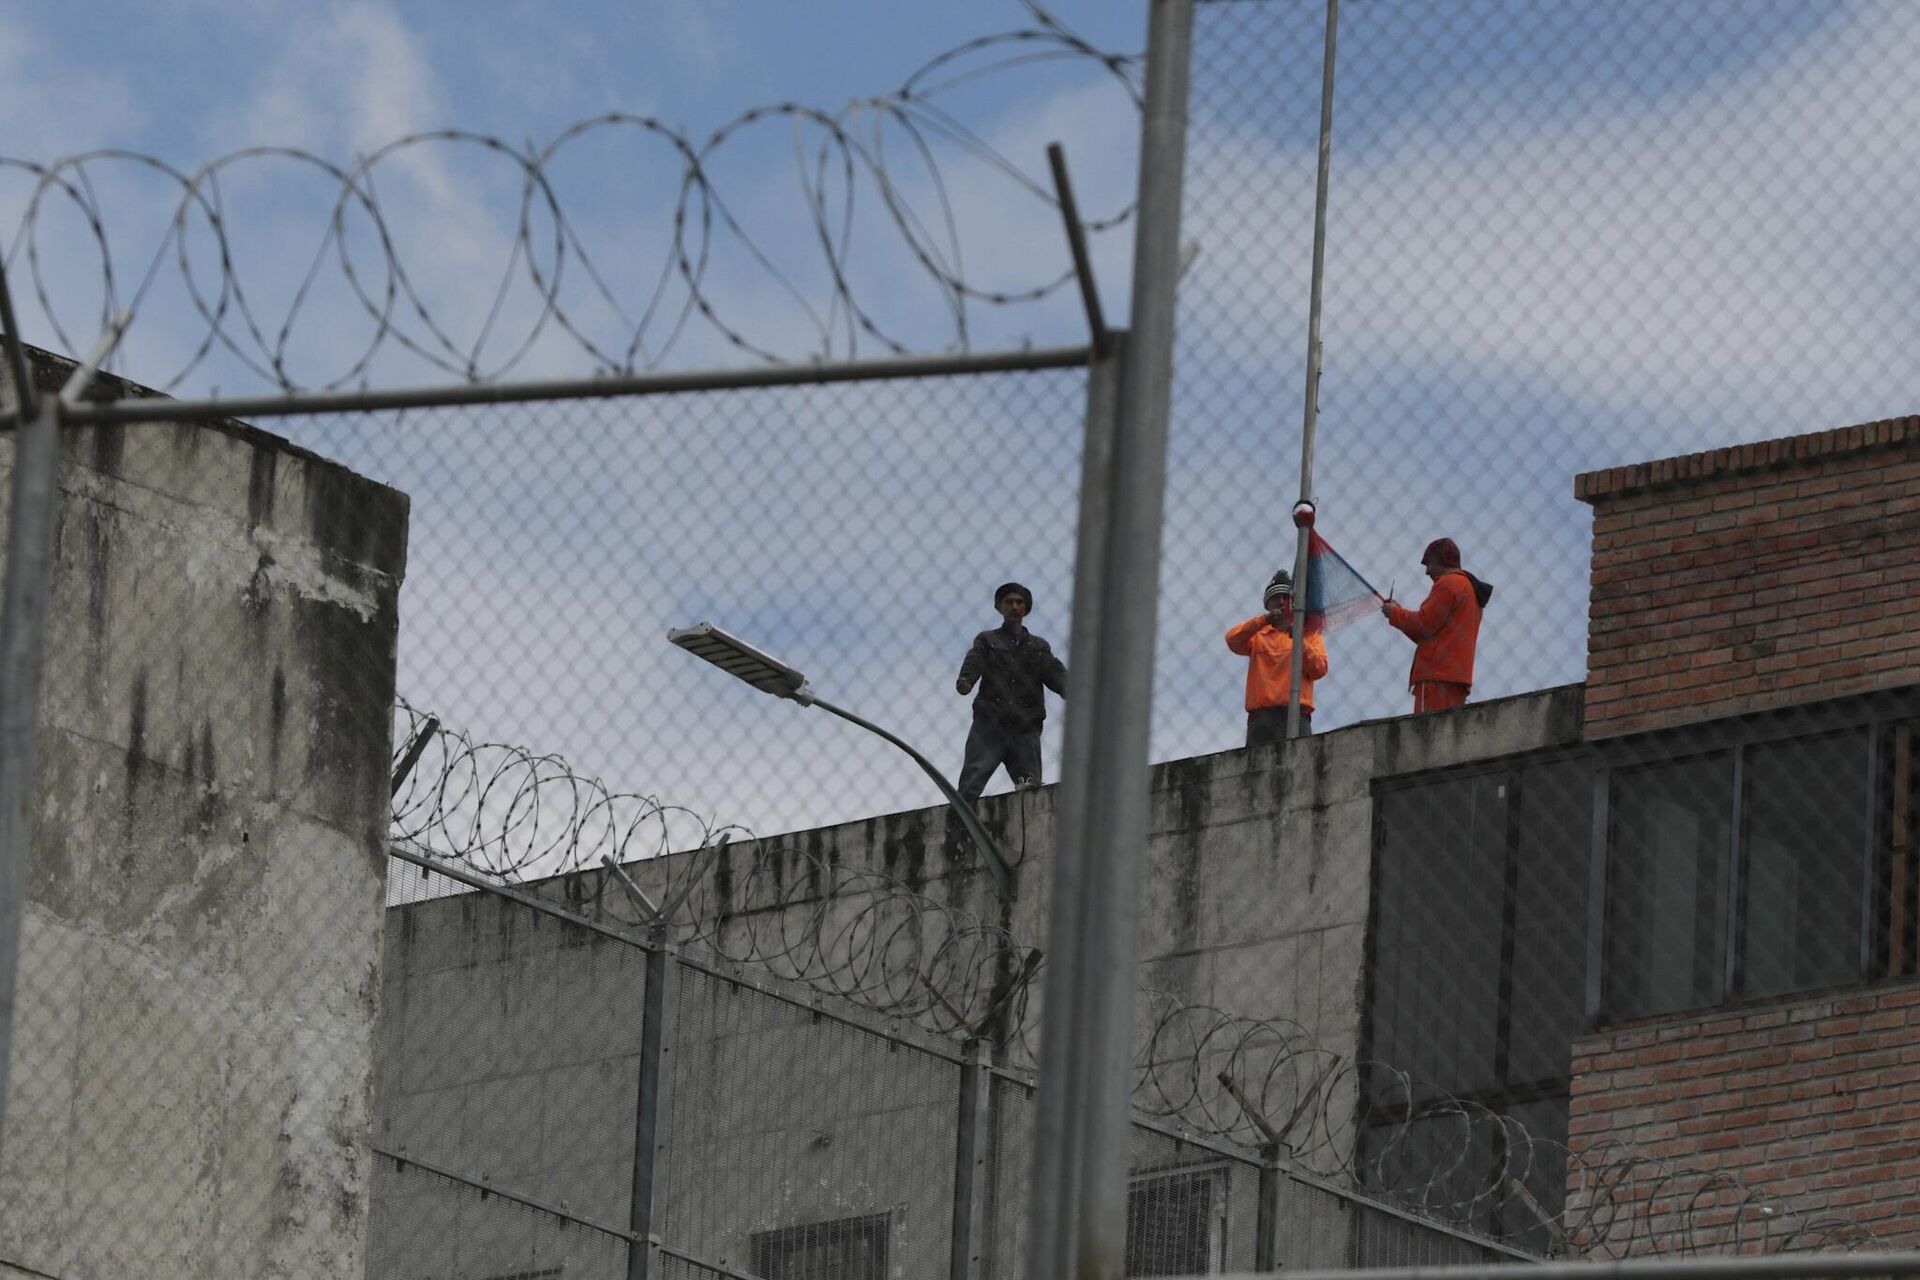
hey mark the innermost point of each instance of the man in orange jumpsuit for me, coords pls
(1266, 642)
(1444, 629)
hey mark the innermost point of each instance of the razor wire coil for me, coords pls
(518, 816)
(860, 151)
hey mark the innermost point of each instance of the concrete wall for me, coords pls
(1759, 576)
(200, 958)
(1812, 1103)
(1256, 903)
(1256, 891)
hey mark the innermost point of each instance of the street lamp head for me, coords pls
(742, 661)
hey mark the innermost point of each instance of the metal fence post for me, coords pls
(971, 1171)
(1056, 1121)
(1083, 1126)
(1273, 1190)
(23, 623)
(654, 1113)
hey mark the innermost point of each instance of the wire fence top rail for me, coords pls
(1617, 958)
(859, 972)
(143, 409)
(1814, 1266)
(870, 181)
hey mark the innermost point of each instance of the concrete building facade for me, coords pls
(1753, 903)
(1616, 969)
(192, 1044)
(511, 1052)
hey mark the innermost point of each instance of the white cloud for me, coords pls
(54, 107)
(1712, 255)
(351, 79)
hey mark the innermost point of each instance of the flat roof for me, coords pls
(1691, 468)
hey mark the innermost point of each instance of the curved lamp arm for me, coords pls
(996, 858)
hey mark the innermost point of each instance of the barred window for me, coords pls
(843, 1249)
(1475, 980)
(1176, 1222)
(1741, 874)
(1672, 845)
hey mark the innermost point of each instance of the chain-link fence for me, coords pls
(1600, 957)
(788, 1133)
(199, 941)
(1617, 959)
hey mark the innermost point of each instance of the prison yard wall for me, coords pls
(193, 1034)
(1752, 577)
(1813, 1102)
(1256, 881)
(510, 1042)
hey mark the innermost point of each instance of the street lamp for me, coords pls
(770, 675)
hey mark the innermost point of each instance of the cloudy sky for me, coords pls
(1560, 237)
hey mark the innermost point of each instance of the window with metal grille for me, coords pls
(1475, 982)
(1746, 872)
(844, 1249)
(1176, 1222)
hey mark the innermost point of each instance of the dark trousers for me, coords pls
(1269, 724)
(989, 747)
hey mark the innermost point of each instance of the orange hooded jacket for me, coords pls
(1269, 653)
(1445, 629)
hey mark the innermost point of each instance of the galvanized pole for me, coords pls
(1058, 1120)
(971, 1171)
(1301, 565)
(1077, 1223)
(23, 623)
(653, 1115)
(1267, 1235)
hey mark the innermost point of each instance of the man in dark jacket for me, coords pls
(1012, 667)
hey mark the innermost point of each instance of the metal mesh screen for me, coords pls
(424, 1224)
(509, 1047)
(1190, 1211)
(1615, 958)
(674, 1267)
(1012, 1175)
(785, 1122)
(1559, 239)
(553, 546)
(191, 1030)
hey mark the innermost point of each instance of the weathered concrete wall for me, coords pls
(199, 966)
(1257, 870)
(1256, 903)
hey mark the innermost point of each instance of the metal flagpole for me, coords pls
(1303, 513)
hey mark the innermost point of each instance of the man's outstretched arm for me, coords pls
(1433, 612)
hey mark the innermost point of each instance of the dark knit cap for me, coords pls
(1442, 552)
(1280, 585)
(1001, 592)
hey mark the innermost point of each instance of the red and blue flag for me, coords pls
(1336, 593)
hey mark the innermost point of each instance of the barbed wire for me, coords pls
(519, 817)
(837, 156)
(1260, 1082)
(1627, 1204)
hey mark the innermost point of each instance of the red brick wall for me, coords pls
(1812, 1106)
(1753, 577)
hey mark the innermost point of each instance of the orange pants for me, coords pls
(1438, 695)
